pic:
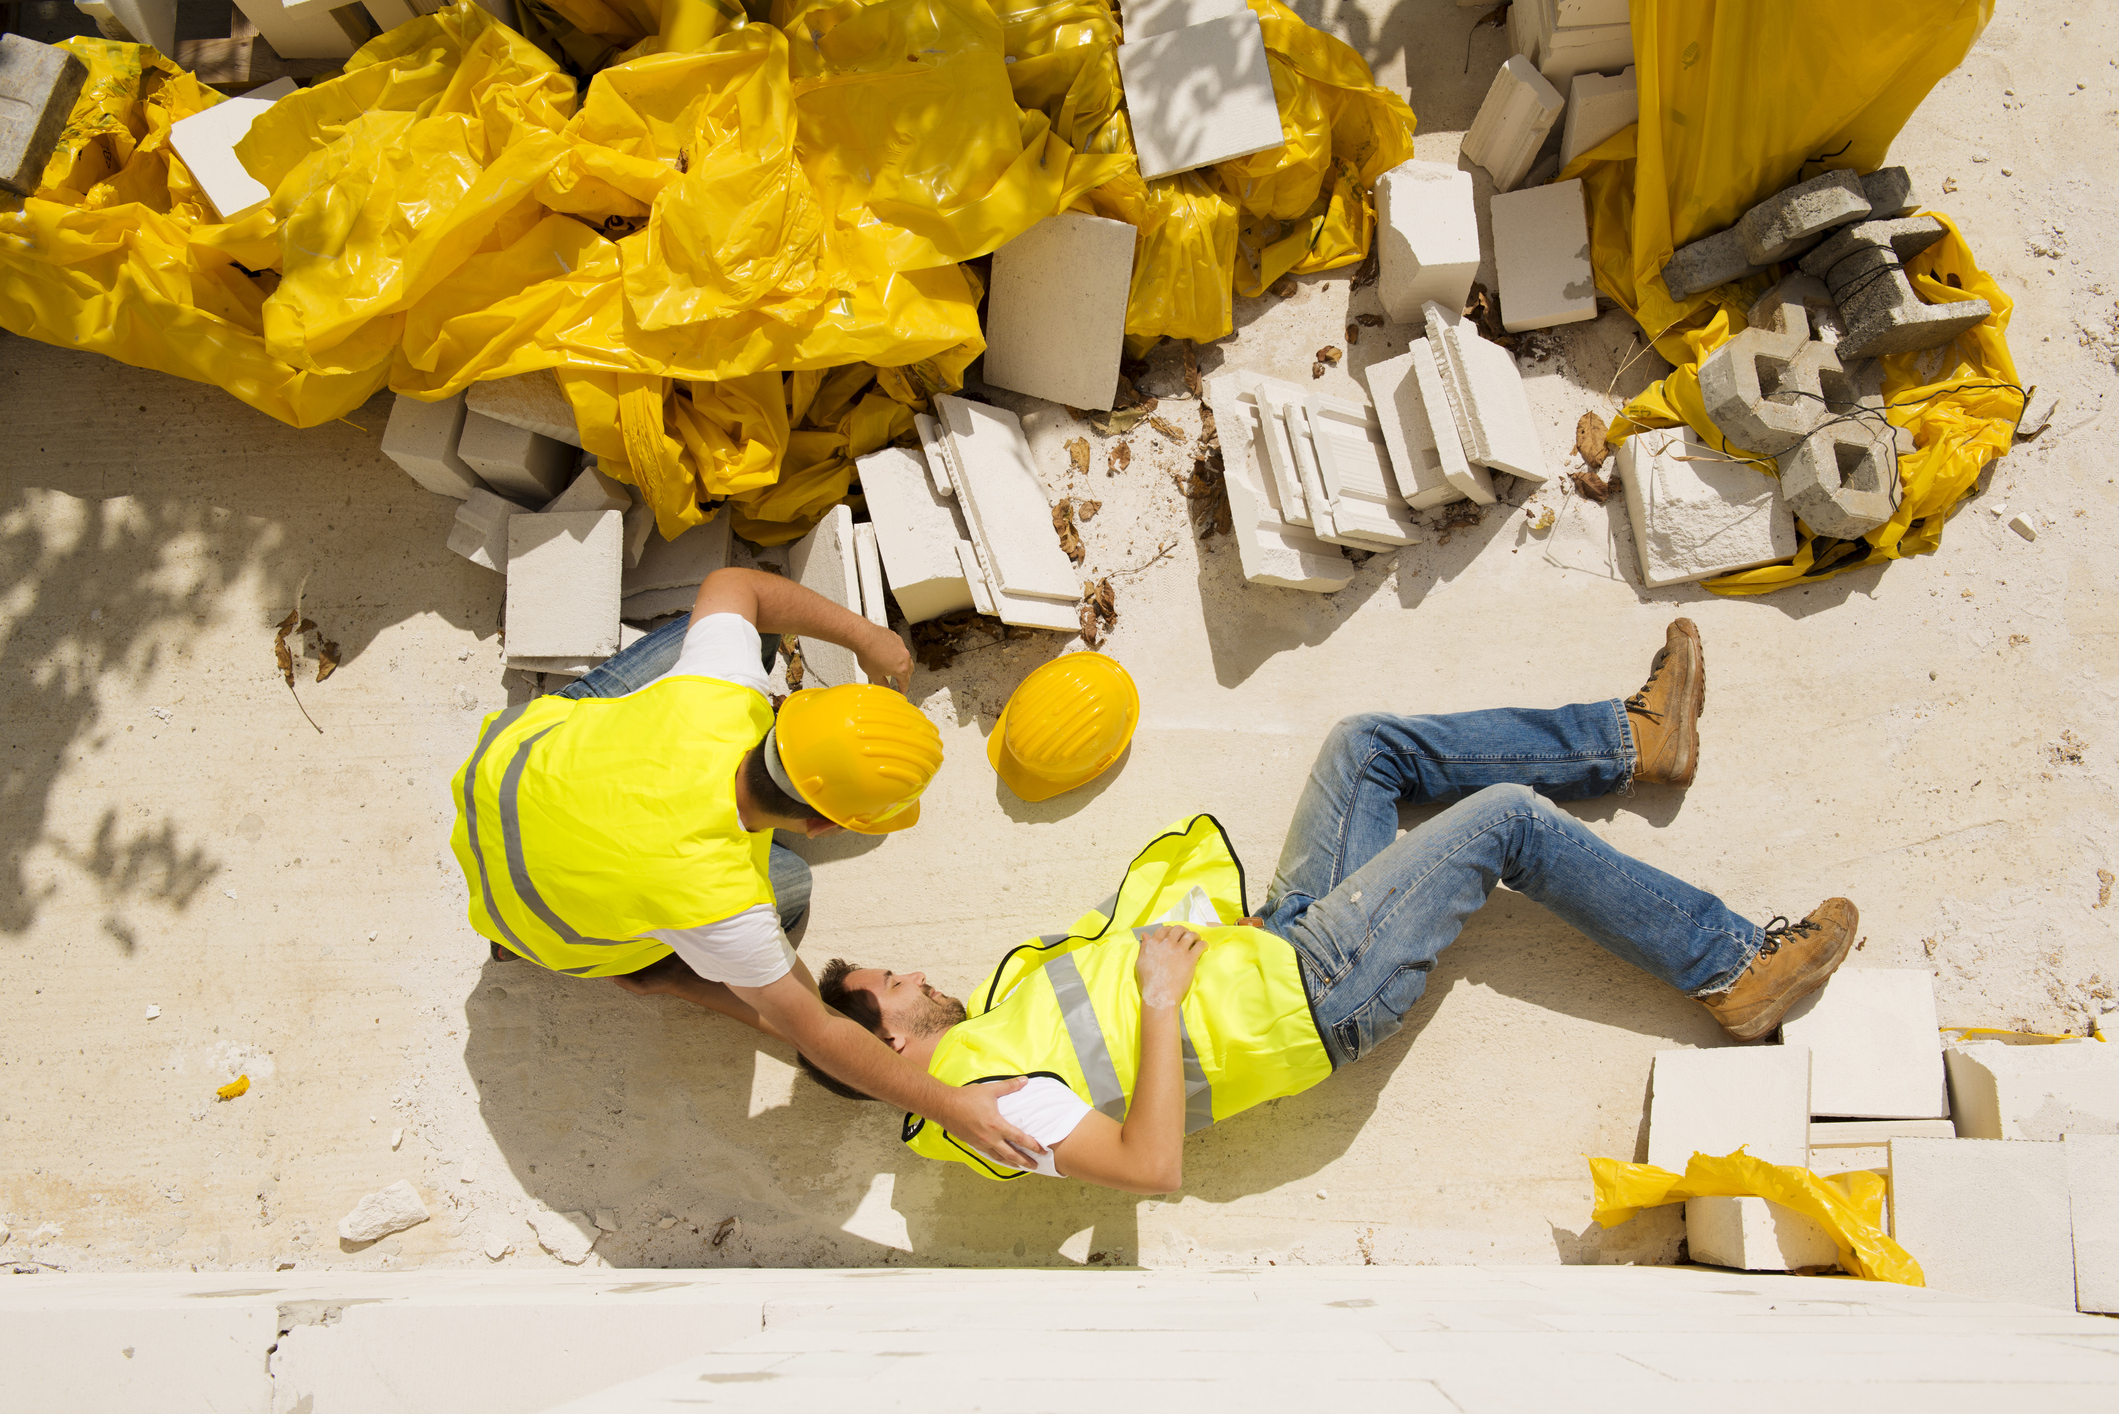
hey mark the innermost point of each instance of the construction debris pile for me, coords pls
(1991, 1155)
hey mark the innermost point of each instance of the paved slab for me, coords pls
(1200, 95)
(1986, 1217)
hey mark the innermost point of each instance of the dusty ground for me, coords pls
(1935, 739)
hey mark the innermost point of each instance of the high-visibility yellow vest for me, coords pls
(1067, 1005)
(585, 825)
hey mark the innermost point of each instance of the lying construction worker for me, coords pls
(1165, 1009)
(623, 827)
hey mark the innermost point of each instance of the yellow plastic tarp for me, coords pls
(1739, 99)
(1848, 1206)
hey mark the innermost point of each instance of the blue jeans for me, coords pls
(1367, 912)
(649, 659)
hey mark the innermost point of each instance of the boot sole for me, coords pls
(1820, 971)
(1690, 754)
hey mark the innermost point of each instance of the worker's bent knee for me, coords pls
(790, 877)
(1353, 735)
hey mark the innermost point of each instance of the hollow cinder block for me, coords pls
(1761, 389)
(1795, 218)
(1714, 260)
(1865, 267)
(1800, 304)
(1839, 482)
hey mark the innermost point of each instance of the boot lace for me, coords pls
(1781, 930)
(1639, 701)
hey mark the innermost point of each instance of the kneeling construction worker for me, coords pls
(1167, 1009)
(623, 827)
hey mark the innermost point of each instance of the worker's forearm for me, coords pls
(779, 605)
(857, 1057)
(1154, 1132)
(715, 996)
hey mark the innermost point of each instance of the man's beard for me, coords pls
(936, 1014)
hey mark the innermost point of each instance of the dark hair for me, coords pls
(768, 794)
(857, 1006)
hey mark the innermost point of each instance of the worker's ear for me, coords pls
(818, 828)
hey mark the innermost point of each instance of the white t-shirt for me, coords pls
(1048, 1112)
(749, 949)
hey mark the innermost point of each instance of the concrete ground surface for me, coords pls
(1936, 739)
(1472, 1339)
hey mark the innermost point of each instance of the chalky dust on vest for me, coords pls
(583, 826)
(1067, 1005)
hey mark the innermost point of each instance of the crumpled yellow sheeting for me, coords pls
(1750, 104)
(1848, 1206)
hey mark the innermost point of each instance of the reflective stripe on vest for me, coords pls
(1091, 1051)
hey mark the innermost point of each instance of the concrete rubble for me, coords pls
(1784, 226)
(1697, 514)
(38, 86)
(1416, 442)
(1056, 310)
(1519, 110)
(1273, 549)
(824, 562)
(206, 141)
(1427, 238)
(1564, 38)
(982, 451)
(1599, 106)
(666, 575)
(1755, 1235)
(1486, 397)
(1715, 1101)
(480, 530)
(1199, 94)
(1541, 257)
(421, 437)
(376, 1216)
(568, 1236)
(514, 460)
(533, 402)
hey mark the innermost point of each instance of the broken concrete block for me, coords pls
(1890, 193)
(1564, 51)
(1519, 110)
(683, 563)
(1004, 502)
(206, 143)
(149, 22)
(1427, 239)
(1200, 95)
(1800, 306)
(1292, 496)
(1695, 516)
(1416, 456)
(2039, 405)
(1151, 17)
(2093, 1203)
(567, 1236)
(1713, 260)
(593, 491)
(1470, 478)
(1567, 14)
(1295, 426)
(1486, 397)
(1840, 481)
(1795, 218)
(1755, 1235)
(1056, 309)
(421, 438)
(1864, 265)
(917, 534)
(868, 568)
(823, 561)
(1711, 1102)
(2024, 526)
(639, 524)
(513, 460)
(2033, 1092)
(1839, 1145)
(38, 86)
(1541, 257)
(1354, 463)
(480, 531)
(1875, 1052)
(563, 585)
(1598, 106)
(1986, 1217)
(1271, 551)
(379, 1214)
(531, 401)
(607, 1219)
(1766, 392)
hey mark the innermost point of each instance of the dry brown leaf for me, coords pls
(792, 647)
(1365, 275)
(1589, 441)
(1078, 454)
(326, 658)
(1479, 307)
(1167, 428)
(721, 1231)
(1949, 184)
(1085, 511)
(1595, 487)
(1192, 383)
(1091, 635)
(1127, 395)
(1121, 458)
(1285, 287)
(280, 652)
(1330, 353)
(1353, 333)
(1209, 434)
(1063, 522)
(1316, 370)
(1369, 321)
(1122, 419)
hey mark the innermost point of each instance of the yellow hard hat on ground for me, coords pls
(1065, 723)
(858, 754)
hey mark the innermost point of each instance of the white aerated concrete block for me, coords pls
(1200, 95)
(1710, 1102)
(1486, 396)
(823, 562)
(1839, 1145)
(1696, 515)
(1354, 463)
(1754, 1235)
(1151, 17)
(480, 531)
(680, 564)
(917, 533)
(2093, 1202)
(513, 460)
(563, 585)
(421, 438)
(639, 524)
(1004, 501)
(975, 579)
(1416, 457)
(1999, 1091)
(1541, 257)
(206, 143)
(593, 491)
(299, 29)
(868, 568)
(1875, 1052)
(1570, 47)
(1427, 239)
(1470, 479)
(1518, 112)
(1569, 13)
(148, 22)
(531, 401)
(1272, 551)
(1056, 309)
(1598, 106)
(1986, 1217)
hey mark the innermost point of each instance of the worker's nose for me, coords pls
(918, 979)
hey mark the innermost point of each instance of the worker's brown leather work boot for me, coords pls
(1793, 961)
(1665, 713)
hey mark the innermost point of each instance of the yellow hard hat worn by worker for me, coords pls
(1064, 725)
(858, 754)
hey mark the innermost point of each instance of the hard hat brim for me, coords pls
(904, 820)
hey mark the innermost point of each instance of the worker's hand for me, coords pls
(1169, 955)
(978, 1122)
(886, 660)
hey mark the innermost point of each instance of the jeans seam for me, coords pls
(1632, 749)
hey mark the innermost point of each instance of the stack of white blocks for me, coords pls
(1519, 110)
(827, 561)
(1541, 257)
(1274, 549)
(1012, 563)
(1198, 92)
(1697, 514)
(206, 142)
(1569, 37)
(1427, 239)
(665, 575)
(1056, 310)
